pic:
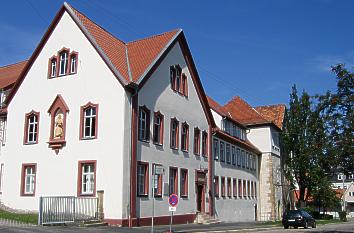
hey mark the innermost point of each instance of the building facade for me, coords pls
(89, 113)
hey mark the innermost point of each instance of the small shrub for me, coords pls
(342, 216)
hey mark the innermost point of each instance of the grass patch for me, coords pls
(323, 221)
(25, 218)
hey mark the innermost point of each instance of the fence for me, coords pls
(54, 210)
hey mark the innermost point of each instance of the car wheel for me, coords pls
(314, 225)
(306, 225)
(286, 227)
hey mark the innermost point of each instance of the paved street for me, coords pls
(191, 228)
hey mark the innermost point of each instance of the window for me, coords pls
(185, 137)
(87, 178)
(89, 122)
(234, 187)
(184, 88)
(255, 189)
(144, 123)
(173, 77)
(233, 152)
(204, 143)
(63, 63)
(340, 177)
(143, 179)
(223, 186)
(173, 179)
(216, 149)
(244, 188)
(157, 182)
(246, 158)
(351, 176)
(196, 145)
(28, 182)
(31, 127)
(229, 187)
(243, 156)
(174, 134)
(73, 62)
(248, 188)
(228, 155)
(184, 183)
(178, 78)
(222, 151)
(238, 157)
(240, 188)
(53, 67)
(216, 186)
(252, 189)
(1, 176)
(158, 128)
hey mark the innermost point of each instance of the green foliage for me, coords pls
(26, 218)
(342, 216)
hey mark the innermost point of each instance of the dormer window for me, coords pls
(63, 63)
(53, 67)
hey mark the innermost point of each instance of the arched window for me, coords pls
(31, 128)
(53, 67)
(63, 62)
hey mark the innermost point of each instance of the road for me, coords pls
(191, 228)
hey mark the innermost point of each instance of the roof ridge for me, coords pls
(13, 64)
(152, 36)
(115, 37)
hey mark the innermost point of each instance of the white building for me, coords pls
(90, 113)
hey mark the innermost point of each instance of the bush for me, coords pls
(316, 214)
(326, 216)
(309, 210)
(342, 216)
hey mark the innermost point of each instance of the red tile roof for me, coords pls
(10, 73)
(133, 58)
(243, 112)
(216, 106)
(273, 113)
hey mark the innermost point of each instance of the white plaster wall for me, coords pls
(235, 209)
(57, 174)
(261, 138)
(157, 95)
(217, 118)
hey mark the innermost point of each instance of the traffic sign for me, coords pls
(173, 200)
(172, 208)
(159, 170)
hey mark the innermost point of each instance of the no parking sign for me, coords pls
(172, 201)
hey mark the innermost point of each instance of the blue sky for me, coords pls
(254, 49)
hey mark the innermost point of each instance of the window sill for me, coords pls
(27, 195)
(184, 196)
(158, 196)
(174, 148)
(158, 144)
(87, 195)
(30, 143)
(88, 138)
(144, 140)
(143, 195)
(185, 151)
(196, 154)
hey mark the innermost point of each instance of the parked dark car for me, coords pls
(298, 218)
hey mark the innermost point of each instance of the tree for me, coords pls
(305, 144)
(337, 111)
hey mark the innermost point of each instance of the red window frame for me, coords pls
(234, 187)
(60, 52)
(174, 138)
(79, 177)
(146, 179)
(27, 117)
(173, 77)
(159, 181)
(23, 177)
(185, 137)
(216, 186)
(82, 120)
(174, 171)
(204, 143)
(72, 54)
(158, 129)
(184, 85)
(51, 60)
(184, 182)
(229, 187)
(240, 188)
(147, 124)
(196, 141)
(223, 186)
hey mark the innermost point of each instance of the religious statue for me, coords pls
(59, 124)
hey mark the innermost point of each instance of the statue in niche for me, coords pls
(59, 126)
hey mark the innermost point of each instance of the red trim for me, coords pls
(162, 121)
(25, 135)
(176, 134)
(216, 186)
(244, 188)
(147, 112)
(205, 144)
(22, 189)
(82, 123)
(223, 194)
(175, 171)
(210, 173)
(234, 187)
(133, 162)
(53, 58)
(73, 53)
(184, 85)
(184, 187)
(58, 104)
(146, 179)
(79, 177)
(160, 178)
(63, 50)
(229, 187)
(158, 220)
(196, 141)
(240, 188)
(185, 140)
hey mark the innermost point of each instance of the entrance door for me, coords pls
(200, 191)
(199, 197)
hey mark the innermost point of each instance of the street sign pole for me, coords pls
(171, 222)
(153, 200)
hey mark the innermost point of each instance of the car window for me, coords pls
(293, 213)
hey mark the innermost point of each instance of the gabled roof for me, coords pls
(274, 113)
(216, 106)
(10, 73)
